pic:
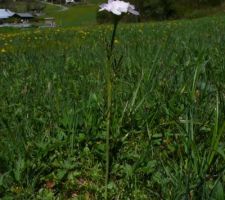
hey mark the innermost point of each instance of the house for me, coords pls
(25, 16)
(71, 1)
(5, 14)
(9, 18)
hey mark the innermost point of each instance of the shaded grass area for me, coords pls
(188, 11)
(168, 112)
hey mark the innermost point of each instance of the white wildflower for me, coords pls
(118, 7)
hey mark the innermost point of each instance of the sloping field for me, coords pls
(74, 16)
(168, 112)
(85, 14)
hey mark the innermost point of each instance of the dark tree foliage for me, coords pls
(160, 9)
(164, 9)
(200, 3)
(30, 5)
(156, 9)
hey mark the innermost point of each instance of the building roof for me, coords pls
(25, 15)
(5, 13)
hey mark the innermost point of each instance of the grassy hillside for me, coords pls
(168, 112)
(188, 11)
(78, 15)
(74, 16)
(85, 14)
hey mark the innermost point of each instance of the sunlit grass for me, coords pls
(168, 112)
(75, 15)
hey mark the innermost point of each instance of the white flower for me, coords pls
(118, 7)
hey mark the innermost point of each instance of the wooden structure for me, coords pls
(50, 21)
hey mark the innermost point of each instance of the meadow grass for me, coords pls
(78, 15)
(168, 112)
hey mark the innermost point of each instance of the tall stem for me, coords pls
(109, 105)
(113, 36)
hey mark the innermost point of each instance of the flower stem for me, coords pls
(113, 36)
(109, 105)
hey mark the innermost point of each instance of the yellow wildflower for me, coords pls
(117, 41)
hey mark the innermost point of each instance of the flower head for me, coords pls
(118, 7)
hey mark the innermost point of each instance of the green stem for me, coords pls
(113, 36)
(109, 105)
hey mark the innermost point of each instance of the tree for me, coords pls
(8, 4)
(160, 9)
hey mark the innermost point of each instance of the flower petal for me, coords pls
(103, 5)
(131, 6)
(118, 7)
(134, 12)
(115, 11)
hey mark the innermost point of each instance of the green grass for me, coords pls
(51, 9)
(79, 15)
(188, 11)
(75, 15)
(168, 112)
